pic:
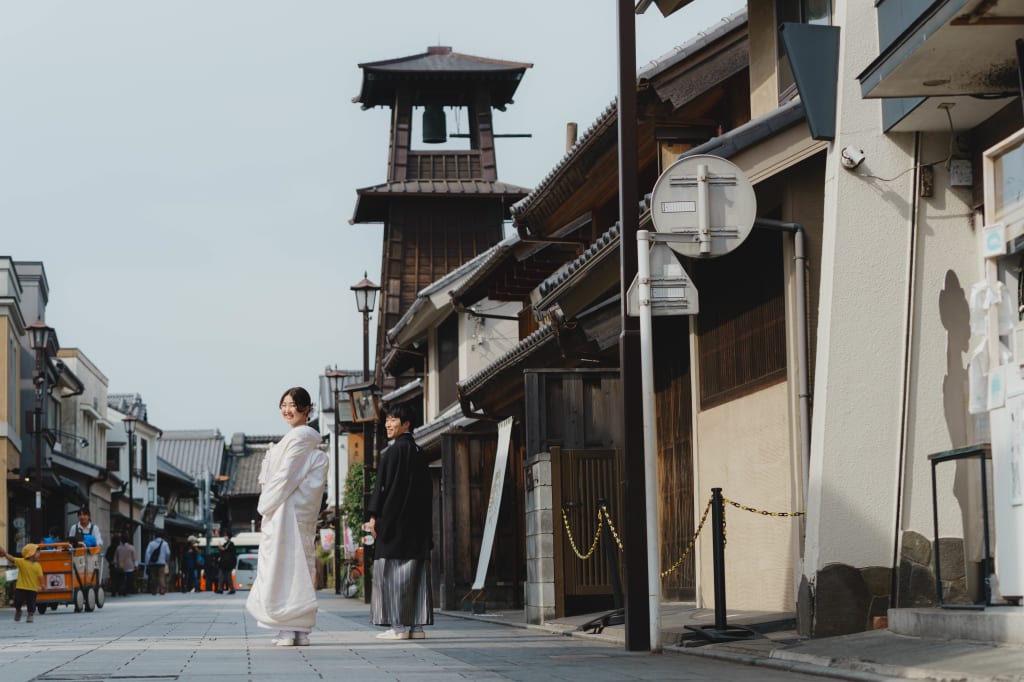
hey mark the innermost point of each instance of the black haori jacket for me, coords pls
(402, 502)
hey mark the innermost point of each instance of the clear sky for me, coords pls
(186, 170)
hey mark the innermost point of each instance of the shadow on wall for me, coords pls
(845, 599)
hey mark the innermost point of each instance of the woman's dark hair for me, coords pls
(299, 396)
(402, 412)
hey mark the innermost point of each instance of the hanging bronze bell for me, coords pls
(434, 126)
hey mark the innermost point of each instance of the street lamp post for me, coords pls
(334, 383)
(129, 427)
(366, 296)
(40, 338)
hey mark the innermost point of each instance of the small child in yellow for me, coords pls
(30, 579)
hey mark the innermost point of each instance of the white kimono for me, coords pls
(292, 479)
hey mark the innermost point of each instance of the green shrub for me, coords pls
(352, 502)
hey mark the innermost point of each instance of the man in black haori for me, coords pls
(401, 521)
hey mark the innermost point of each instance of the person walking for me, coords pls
(83, 527)
(157, 554)
(30, 580)
(126, 562)
(227, 560)
(401, 516)
(293, 477)
(114, 573)
(190, 566)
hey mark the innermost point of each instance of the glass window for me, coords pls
(818, 12)
(114, 459)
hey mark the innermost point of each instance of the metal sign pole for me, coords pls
(650, 436)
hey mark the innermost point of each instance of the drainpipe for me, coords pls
(804, 393)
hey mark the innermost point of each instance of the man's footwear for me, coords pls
(17, 615)
(31, 617)
(283, 641)
(301, 640)
(417, 634)
(391, 634)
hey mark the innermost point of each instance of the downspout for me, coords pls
(803, 392)
(915, 208)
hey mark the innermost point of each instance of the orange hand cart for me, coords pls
(71, 575)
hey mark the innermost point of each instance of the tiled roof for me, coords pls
(414, 385)
(609, 241)
(373, 201)
(442, 187)
(603, 132)
(428, 436)
(493, 257)
(752, 132)
(693, 45)
(604, 128)
(194, 452)
(439, 63)
(128, 403)
(243, 463)
(164, 467)
(441, 58)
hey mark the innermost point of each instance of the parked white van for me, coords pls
(245, 571)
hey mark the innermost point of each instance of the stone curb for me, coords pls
(777, 659)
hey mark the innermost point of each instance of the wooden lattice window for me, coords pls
(742, 321)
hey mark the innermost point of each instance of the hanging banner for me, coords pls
(327, 539)
(494, 501)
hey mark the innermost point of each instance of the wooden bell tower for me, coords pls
(440, 208)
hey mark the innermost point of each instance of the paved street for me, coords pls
(205, 636)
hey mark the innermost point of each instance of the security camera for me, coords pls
(851, 157)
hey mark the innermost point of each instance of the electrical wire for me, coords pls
(945, 162)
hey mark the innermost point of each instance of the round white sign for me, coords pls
(708, 202)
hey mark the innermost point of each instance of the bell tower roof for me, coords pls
(441, 77)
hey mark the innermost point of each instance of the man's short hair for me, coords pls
(402, 412)
(85, 510)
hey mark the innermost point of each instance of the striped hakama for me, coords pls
(401, 593)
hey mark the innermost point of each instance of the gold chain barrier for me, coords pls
(689, 546)
(604, 517)
(572, 541)
(611, 527)
(762, 512)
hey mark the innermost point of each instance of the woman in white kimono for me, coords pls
(292, 479)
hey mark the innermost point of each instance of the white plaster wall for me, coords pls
(858, 388)
(94, 394)
(946, 260)
(744, 448)
(484, 340)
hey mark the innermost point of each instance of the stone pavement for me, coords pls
(867, 656)
(206, 637)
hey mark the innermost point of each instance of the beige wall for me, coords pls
(764, 89)
(946, 266)
(744, 448)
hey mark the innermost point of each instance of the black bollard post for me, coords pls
(721, 631)
(718, 556)
(613, 558)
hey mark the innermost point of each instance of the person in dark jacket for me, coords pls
(227, 559)
(401, 515)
